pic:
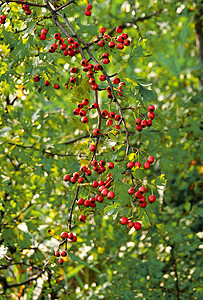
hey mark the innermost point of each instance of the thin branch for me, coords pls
(64, 5)
(24, 2)
(72, 207)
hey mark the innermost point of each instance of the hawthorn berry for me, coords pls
(70, 235)
(37, 78)
(74, 239)
(56, 86)
(92, 81)
(138, 121)
(104, 113)
(64, 235)
(119, 29)
(96, 131)
(138, 164)
(105, 55)
(120, 46)
(151, 115)
(102, 77)
(100, 199)
(80, 180)
(137, 226)
(80, 201)
(138, 195)
(130, 164)
(117, 126)
(144, 123)
(85, 102)
(95, 184)
(151, 108)
(139, 127)
(76, 111)
(44, 31)
(97, 67)
(46, 83)
(76, 175)
(87, 203)
(142, 199)
(84, 62)
(101, 43)
(82, 218)
(143, 204)
(72, 80)
(142, 189)
(73, 70)
(117, 117)
(104, 192)
(110, 165)
(116, 80)
(102, 30)
(60, 261)
(131, 191)
(111, 195)
(88, 173)
(111, 44)
(66, 177)
(120, 39)
(82, 113)
(42, 36)
(127, 42)
(109, 122)
(146, 165)
(56, 253)
(150, 159)
(2, 19)
(124, 35)
(63, 47)
(70, 40)
(112, 114)
(63, 253)
(107, 37)
(106, 61)
(151, 199)
(94, 86)
(149, 122)
(123, 221)
(76, 45)
(88, 13)
(73, 180)
(130, 224)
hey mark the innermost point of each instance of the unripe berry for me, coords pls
(130, 164)
(63, 253)
(146, 165)
(82, 218)
(151, 199)
(137, 226)
(123, 221)
(64, 235)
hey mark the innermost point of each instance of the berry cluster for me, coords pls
(88, 10)
(130, 223)
(27, 9)
(65, 237)
(119, 41)
(2, 19)
(140, 124)
(146, 165)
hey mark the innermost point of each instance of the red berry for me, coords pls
(90, 74)
(89, 6)
(42, 36)
(95, 184)
(63, 253)
(123, 221)
(104, 113)
(116, 80)
(146, 165)
(102, 77)
(150, 159)
(94, 86)
(87, 203)
(95, 105)
(142, 199)
(56, 253)
(88, 13)
(110, 165)
(57, 36)
(119, 29)
(82, 218)
(139, 127)
(111, 44)
(117, 126)
(149, 122)
(102, 163)
(124, 35)
(70, 40)
(109, 122)
(85, 102)
(120, 46)
(60, 261)
(96, 131)
(105, 55)
(131, 191)
(151, 199)
(80, 105)
(102, 30)
(117, 117)
(142, 189)
(105, 61)
(120, 39)
(72, 80)
(82, 113)
(127, 42)
(143, 204)
(92, 81)
(73, 70)
(151, 115)
(80, 180)
(76, 175)
(112, 114)
(97, 67)
(144, 123)
(130, 164)
(84, 62)
(63, 47)
(66, 177)
(101, 43)
(100, 199)
(64, 235)
(107, 37)
(138, 121)
(76, 45)
(137, 226)
(80, 201)
(111, 195)
(92, 148)
(37, 78)
(151, 108)
(74, 239)
(104, 192)
(138, 164)
(46, 83)
(70, 235)
(56, 86)
(138, 195)
(76, 111)
(44, 31)
(130, 224)
(88, 173)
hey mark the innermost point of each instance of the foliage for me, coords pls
(41, 141)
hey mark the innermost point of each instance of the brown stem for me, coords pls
(24, 2)
(72, 207)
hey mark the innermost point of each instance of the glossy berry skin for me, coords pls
(70, 235)
(127, 42)
(80, 105)
(104, 192)
(111, 44)
(82, 113)
(73, 180)
(76, 111)
(105, 55)
(149, 122)
(84, 62)
(66, 177)
(104, 113)
(88, 173)
(92, 81)
(139, 127)
(63, 47)
(138, 195)
(143, 204)
(82, 218)
(151, 115)
(96, 131)
(57, 36)
(88, 13)
(117, 126)
(102, 77)
(90, 74)
(119, 29)
(151, 199)
(109, 122)
(80, 180)
(117, 117)
(76, 45)
(56, 253)
(151, 108)
(76, 175)
(142, 199)
(105, 61)
(100, 199)
(137, 164)
(42, 36)
(87, 203)
(146, 165)
(60, 261)
(95, 105)
(72, 80)
(37, 78)
(110, 165)
(150, 159)
(64, 235)
(95, 184)
(73, 70)
(120, 39)
(94, 86)
(142, 189)
(124, 36)
(102, 163)
(97, 67)
(123, 221)
(85, 102)
(130, 224)
(46, 83)
(101, 43)
(89, 7)
(63, 253)
(92, 148)
(116, 80)
(80, 201)
(144, 123)
(111, 195)
(131, 191)
(120, 46)
(74, 239)
(130, 164)
(56, 86)
(112, 114)
(102, 30)
(137, 226)
(138, 121)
